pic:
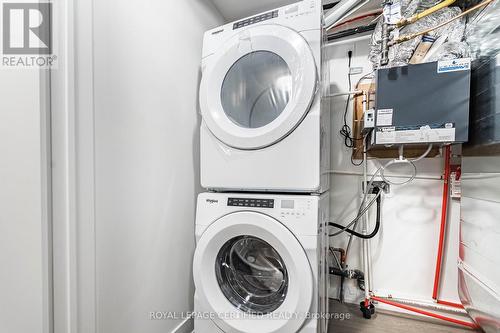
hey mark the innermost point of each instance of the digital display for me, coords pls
(287, 204)
(250, 202)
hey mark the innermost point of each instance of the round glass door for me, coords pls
(258, 86)
(251, 275)
(256, 89)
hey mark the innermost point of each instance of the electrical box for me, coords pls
(368, 120)
(422, 104)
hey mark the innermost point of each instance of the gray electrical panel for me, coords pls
(422, 104)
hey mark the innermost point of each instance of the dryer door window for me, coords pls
(256, 89)
(258, 86)
(251, 275)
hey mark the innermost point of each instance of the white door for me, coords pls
(258, 86)
(253, 275)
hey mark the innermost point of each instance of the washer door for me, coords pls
(258, 87)
(253, 275)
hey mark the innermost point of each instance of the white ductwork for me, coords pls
(338, 12)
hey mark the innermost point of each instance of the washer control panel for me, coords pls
(250, 202)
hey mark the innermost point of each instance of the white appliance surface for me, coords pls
(265, 124)
(479, 263)
(260, 263)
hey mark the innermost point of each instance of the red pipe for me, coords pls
(375, 13)
(425, 313)
(444, 216)
(453, 305)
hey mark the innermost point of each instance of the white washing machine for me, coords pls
(260, 263)
(265, 126)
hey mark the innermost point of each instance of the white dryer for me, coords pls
(265, 125)
(260, 263)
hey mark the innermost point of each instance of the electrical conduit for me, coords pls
(444, 216)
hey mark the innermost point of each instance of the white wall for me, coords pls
(404, 252)
(24, 253)
(147, 57)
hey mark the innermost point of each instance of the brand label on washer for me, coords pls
(384, 117)
(415, 134)
(454, 65)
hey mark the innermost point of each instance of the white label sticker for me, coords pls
(384, 117)
(422, 135)
(454, 65)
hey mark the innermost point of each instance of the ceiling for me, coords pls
(235, 9)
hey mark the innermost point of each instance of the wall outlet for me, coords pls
(386, 188)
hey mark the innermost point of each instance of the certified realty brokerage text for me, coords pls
(27, 35)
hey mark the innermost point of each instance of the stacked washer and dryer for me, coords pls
(260, 263)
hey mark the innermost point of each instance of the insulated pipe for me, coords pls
(336, 13)
(430, 306)
(444, 216)
(405, 38)
(384, 45)
(427, 12)
(453, 305)
(425, 313)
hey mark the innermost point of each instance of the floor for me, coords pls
(348, 319)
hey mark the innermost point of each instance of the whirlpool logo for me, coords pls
(27, 35)
(212, 201)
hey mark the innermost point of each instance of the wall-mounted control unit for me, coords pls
(422, 104)
(368, 120)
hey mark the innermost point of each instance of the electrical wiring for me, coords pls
(360, 214)
(346, 131)
(402, 160)
(359, 235)
(381, 170)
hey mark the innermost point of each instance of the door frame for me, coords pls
(72, 172)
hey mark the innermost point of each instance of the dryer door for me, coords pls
(253, 275)
(258, 87)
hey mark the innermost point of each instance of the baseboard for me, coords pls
(187, 326)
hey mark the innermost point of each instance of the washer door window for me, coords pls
(258, 86)
(252, 275)
(253, 270)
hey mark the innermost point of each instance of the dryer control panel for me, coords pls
(250, 202)
(255, 19)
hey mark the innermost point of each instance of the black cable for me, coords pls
(346, 131)
(357, 234)
(361, 212)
